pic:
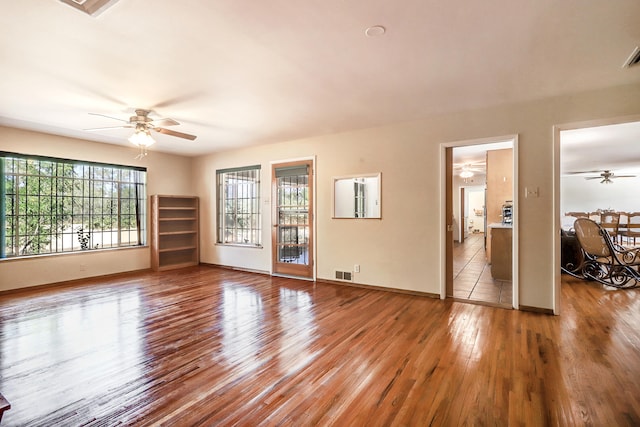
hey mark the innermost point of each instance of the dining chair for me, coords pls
(595, 216)
(632, 229)
(577, 214)
(610, 221)
(622, 226)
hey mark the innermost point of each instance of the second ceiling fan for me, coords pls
(607, 176)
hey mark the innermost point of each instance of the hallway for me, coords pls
(472, 275)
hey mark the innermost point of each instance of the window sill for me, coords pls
(240, 245)
(57, 254)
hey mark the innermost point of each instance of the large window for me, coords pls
(50, 205)
(239, 206)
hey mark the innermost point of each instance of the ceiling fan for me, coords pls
(467, 170)
(143, 125)
(606, 176)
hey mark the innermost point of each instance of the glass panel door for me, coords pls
(292, 235)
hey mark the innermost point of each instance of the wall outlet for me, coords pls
(83, 267)
(356, 268)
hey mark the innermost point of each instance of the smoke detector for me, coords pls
(375, 31)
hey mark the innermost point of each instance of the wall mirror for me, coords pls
(356, 196)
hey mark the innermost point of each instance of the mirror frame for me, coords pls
(336, 179)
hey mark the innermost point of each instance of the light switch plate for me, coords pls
(531, 192)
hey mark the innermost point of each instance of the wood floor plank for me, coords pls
(209, 346)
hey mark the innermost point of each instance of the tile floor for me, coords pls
(472, 275)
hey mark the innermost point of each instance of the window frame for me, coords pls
(251, 199)
(51, 206)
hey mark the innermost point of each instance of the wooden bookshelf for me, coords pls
(174, 232)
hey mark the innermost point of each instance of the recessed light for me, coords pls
(375, 31)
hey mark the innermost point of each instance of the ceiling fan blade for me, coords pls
(164, 122)
(581, 172)
(470, 165)
(592, 177)
(111, 127)
(109, 117)
(623, 176)
(174, 133)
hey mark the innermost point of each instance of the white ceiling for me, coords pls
(243, 72)
(614, 147)
(589, 150)
(477, 153)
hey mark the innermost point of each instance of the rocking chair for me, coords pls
(605, 261)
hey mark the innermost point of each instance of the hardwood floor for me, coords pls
(472, 278)
(208, 346)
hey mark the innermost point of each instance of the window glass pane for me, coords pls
(55, 205)
(239, 206)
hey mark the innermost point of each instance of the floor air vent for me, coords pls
(344, 275)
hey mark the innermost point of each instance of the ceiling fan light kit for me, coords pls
(142, 138)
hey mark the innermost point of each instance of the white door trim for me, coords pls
(557, 276)
(516, 210)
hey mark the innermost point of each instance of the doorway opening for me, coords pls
(597, 173)
(481, 211)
